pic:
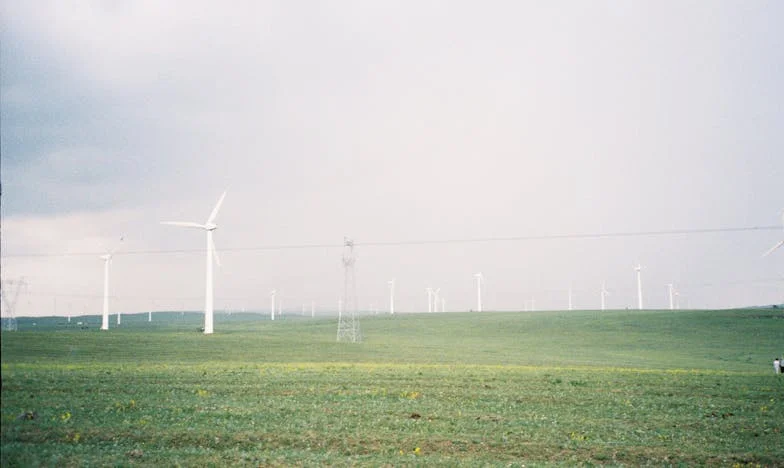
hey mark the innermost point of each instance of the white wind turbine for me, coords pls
(436, 300)
(678, 296)
(429, 299)
(671, 292)
(604, 293)
(780, 242)
(638, 268)
(479, 277)
(212, 254)
(107, 259)
(391, 284)
(272, 304)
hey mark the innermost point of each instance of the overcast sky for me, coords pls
(392, 121)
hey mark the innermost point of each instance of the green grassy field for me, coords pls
(549, 388)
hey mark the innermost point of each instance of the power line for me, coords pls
(544, 237)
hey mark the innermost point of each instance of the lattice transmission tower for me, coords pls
(348, 324)
(9, 290)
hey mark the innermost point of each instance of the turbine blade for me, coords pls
(117, 247)
(773, 248)
(184, 224)
(214, 213)
(215, 253)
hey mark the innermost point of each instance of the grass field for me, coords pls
(497, 389)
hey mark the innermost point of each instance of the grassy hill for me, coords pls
(734, 340)
(497, 389)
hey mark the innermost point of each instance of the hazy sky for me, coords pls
(392, 121)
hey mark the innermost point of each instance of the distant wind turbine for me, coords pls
(604, 293)
(780, 242)
(429, 299)
(391, 284)
(479, 277)
(436, 300)
(670, 290)
(107, 260)
(272, 305)
(212, 254)
(638, 268)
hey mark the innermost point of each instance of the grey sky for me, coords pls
(393, 121)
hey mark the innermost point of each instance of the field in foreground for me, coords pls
(451, 389)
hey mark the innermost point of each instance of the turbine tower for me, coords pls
(780, 242)
(212, 254)
(670, 290)
(479, 277)
(391, 284)
(107, 260)
(638, 268)
(429, 299)
(436, 300)
(348, 327)
(604, 293)
(272, 305)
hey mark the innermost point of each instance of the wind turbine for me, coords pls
(670, 290)
(436, 300)
(429, 299)
(391, 284)
(479, 277)
(638, 268)
(212, 254)
(604, 293)
(107, 259)
(780, 242)
(272, 305)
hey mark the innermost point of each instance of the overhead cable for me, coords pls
(542, 237)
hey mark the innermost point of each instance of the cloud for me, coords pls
(395, 121)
